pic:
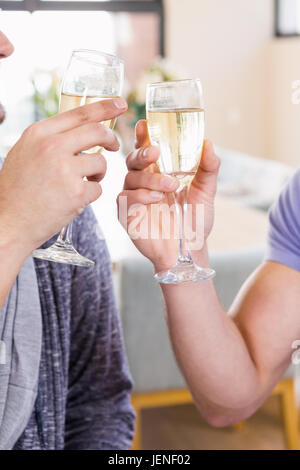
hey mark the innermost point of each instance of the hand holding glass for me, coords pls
(175, 113)
(91, 76)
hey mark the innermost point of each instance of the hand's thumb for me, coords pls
(206, 178)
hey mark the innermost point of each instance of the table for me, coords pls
(237, 227)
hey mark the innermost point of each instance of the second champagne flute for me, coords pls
(175, 113)
(91, 76)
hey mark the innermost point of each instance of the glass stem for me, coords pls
(65, 236)
(181, 209)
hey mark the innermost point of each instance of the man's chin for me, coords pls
(2, 113)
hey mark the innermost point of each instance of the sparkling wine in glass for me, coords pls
(176, 122)
(91, 76)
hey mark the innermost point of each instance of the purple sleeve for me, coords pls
(99, 413)
(284, 234)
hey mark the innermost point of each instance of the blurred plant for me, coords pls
(46, 85)
(160, 71)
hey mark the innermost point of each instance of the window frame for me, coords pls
(114, 6)
(278, 33)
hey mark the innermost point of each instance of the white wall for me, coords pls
(226, 43)
(283, 115)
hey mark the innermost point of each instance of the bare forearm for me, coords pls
(12, 256)
(211, 352)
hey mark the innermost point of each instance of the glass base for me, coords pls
(184, 273)
(63, 253)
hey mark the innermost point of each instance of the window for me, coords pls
(287, 18)
(44, 32)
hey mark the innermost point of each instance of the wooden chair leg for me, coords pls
(285, 389)
(290, 415)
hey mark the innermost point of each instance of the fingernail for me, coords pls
(120, 103)
(169, 183)
(156, 195)
(146, 152)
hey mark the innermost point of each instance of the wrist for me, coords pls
(200, 257)
(13, 242)
(160, 267)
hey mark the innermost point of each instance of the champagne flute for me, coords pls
(91, 76)
(175, 114)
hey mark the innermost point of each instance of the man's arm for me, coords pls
(41, 183)
(252, 346)
(12, 257)
(99, 414)
(231, 363)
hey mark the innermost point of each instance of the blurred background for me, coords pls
(247, 56)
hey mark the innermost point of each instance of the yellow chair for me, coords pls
(285, 389)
